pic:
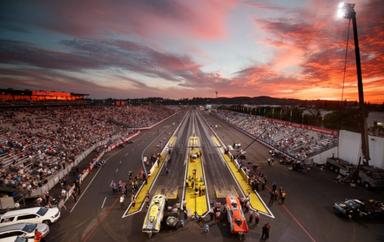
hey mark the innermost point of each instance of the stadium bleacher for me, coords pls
(300, 143)
(36, 143)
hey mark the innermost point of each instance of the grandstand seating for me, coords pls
(37, 142)
(300, 143)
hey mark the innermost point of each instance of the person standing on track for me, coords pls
(282, 195)
(122, 199)
(264, 183)
(265, 231)
(273, 197)
(133, 200)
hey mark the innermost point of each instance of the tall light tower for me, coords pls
(346, 10)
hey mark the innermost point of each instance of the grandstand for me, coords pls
(297, 141)
(36, 143)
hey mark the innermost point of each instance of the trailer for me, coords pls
(340, 166)
(371, 177)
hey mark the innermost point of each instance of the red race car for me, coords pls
(237, 222)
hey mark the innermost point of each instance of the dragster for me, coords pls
(237, 222)
(155, 214)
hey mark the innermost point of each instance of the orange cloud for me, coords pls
(315, 44)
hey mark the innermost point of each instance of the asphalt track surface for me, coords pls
(219, 179)
(306, 216)
(171, 184)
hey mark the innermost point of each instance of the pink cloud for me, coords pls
(200, 18)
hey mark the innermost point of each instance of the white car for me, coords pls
(237, 146)
(18, 232)
(22, 239)
(30, 215)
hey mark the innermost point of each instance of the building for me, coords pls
(10, 95)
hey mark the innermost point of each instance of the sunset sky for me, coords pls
(180, 48)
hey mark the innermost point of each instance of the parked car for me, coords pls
(23, 239)
(356, 208)
(16, 232)
(30, 215)
(371, 177)
(236, 145)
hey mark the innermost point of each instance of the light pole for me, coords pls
(346, 10)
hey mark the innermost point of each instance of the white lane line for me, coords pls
(185, 176)
(117, 170)
(202, 165)
(206, 187)
(102, 205)
(193, 123)
(145, 149)
(185, 162)
(85, 190)
(93, 178)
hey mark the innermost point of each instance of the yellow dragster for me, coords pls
(155, 214)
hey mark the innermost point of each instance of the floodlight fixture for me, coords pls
(345, 10)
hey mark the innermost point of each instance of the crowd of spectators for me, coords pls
(297, 142)
(36, 143)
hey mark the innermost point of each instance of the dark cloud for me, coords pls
(94, 54)
(37, 79)
(90, 18)
(18, 52)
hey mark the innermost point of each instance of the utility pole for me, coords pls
(363, 113)
(346, 10)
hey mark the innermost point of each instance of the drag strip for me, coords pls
(219, 179)
(171, 183)
(136, 206)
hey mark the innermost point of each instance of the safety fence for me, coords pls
(92, 164)
(58, 176)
